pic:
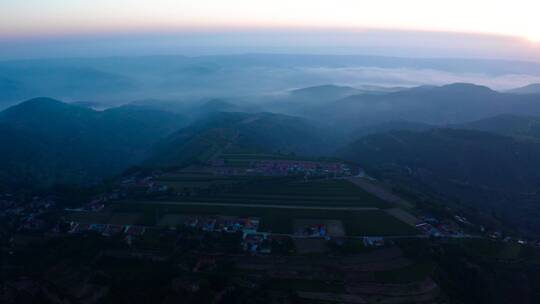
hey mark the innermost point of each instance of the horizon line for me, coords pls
(101, 32)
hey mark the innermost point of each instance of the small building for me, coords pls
(112, 230)
(373, 241)
(99, 228)
(134, 230)
(253, 242)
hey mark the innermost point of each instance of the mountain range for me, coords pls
(46, 141)
(449, 104)
(459, 143)
(117, 80)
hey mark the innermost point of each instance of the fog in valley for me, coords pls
(246, 79)
(277, 151)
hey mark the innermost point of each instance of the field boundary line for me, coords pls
(268, 206)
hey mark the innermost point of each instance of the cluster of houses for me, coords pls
(107, 229)
(313, 230)
(372, 241)
(36, 205)
(282, 168)
(220, 223)
(262, 243)
(256, 243)
(252, 241)
(145, 182)
(462, 220)
(497, 235)
(431, 226)
(135, 181)
(286, 167)
(232, 171)
(7, 201)
(98, 203)
(32, 222)
(24, 215)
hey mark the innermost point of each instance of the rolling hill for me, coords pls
(519, 126)
(490, 172)
(259, 132)
(48, 141)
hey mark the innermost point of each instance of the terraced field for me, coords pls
(330, 193)
(116, 218)
(201, 179)
(378, 276)
(278, 201)
(277, 220)
(259, 156)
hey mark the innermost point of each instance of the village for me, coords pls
(26, 216)
(279, 167)
(285, 227)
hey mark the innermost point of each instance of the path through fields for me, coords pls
(254, 205)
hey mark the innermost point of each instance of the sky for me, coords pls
(491, 28)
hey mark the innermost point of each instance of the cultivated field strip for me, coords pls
(357, 222)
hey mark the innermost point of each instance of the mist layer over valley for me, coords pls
(306, 151)
(111, 114)
(105, 82)
(380, 145)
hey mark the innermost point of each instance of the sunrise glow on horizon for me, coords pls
(60, 17)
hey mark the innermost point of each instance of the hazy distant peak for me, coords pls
(39, 104)
(533, 88)
(216, 104)
(453, 88)
(322, 87)
(41, 101)
(466, 87)
(324, 90)
(425, 87)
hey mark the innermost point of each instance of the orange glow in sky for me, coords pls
(501, 17)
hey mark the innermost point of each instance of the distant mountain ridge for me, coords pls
(118, 137)
(449, 104)
(48, 141)
(117, 80)
(328, 91)
(533, 88)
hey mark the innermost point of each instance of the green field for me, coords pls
(263, 197)
(201, 178)
(283, 191)
(314, 188)
(117, 218)
(285, 201)
(259, 156)
(412, 273)
(183, 180)
(356, 223)
(306, 285)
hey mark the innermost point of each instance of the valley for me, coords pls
(217, 203)
(269, 152)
